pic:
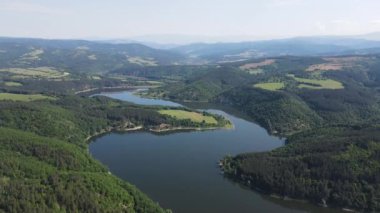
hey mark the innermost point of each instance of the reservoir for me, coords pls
(179, 170)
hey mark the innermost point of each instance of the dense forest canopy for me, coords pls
(45, 163)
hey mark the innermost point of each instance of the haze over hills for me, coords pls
(118, 53)
(236, 48)
(183, 39)
(314, 45)
(375, 36)
(81, 55)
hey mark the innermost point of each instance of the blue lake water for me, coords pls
(179, 170)
(130, 97)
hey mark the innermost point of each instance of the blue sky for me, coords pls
(212, 18)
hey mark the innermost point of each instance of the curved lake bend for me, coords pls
(180, 170)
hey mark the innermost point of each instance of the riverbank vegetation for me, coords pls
(44, 149)
(336, 166)
(51, 175)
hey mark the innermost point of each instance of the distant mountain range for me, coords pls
(81, 55)
(307, 46)
(216, 52)
(115, 54)
(375, 36)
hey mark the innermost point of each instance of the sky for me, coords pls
(166, 20)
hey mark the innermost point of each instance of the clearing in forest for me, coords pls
(258, 64)
(193, 116)
(274, 86)
(318, 83)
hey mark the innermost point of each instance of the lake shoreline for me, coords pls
(93, 91)
(169, 129)
(243, 180)
(152, 130)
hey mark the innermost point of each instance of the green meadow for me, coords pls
(318, 84)
(193, 116)
(270, 86)
(12, 84)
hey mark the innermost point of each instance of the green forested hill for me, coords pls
(45, 165)
(337, 166)
(204, 86)
(41, 174)
(306, 99)
(329, 108)
(278, 112)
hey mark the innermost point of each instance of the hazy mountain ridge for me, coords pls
(81, 55)
(109, 55)
(306, 46)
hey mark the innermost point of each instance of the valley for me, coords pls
(189, 106)
(52, 104)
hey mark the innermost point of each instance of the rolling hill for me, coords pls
(301, 46)
(81, 56)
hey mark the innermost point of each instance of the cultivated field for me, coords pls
(325, 67)
(318, 84)
(23, 97)
(270, 86)
(38, 72)
(193, 116)
(258, 64)
(12, 84)
(142, 61)
(337, 63)
(32, 56)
